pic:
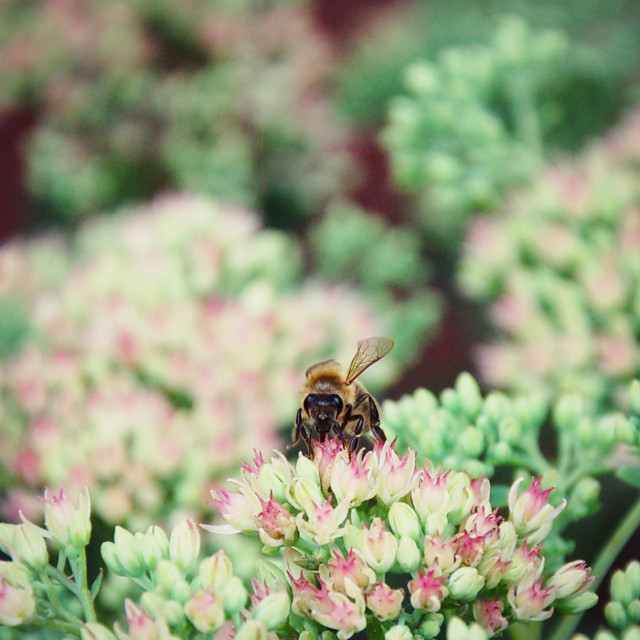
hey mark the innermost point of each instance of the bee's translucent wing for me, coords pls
(370, 350)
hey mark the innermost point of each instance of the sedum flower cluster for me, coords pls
(226, 99)
(180, 594)
(142, 351)
(559, 266)
(451, 145)
(464, 430)
(376, 542)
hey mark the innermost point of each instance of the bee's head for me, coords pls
(323, 409)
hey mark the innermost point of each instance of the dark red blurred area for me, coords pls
(14, 130)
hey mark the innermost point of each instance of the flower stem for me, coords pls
(79, 568)
(602, 564)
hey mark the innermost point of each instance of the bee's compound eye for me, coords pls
(311, 399)
(336, 401)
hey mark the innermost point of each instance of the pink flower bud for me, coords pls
(530, 512)
(377, 546)
(67, 523)
(427, 591)
(431, 494)
(353, 568)
(273, 609)
(323, 521)
(354, 479)
(571, 579)
(275, 523)
(325, 455)
(396, 474)
(237, 508)
(385, 602)
(17, 601)
(488, 614)
(441, 554)
(529, 599)
(205, 611)
(141, 625)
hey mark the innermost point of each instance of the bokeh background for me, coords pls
(200, 198)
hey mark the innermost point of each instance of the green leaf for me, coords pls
(630, 475)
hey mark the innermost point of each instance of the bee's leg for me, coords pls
(375, 421)
(339, 428)
(356, 434)
(298, 430)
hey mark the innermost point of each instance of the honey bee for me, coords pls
(334, 401)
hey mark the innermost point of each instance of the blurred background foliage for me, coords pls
(214, 194)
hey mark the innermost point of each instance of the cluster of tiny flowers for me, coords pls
(182, 592)
(449, 144)
(622, 612)
(560, 266)
(346, 525)
(26, 579)
(144, 353)
(96, 142)
(463, 430)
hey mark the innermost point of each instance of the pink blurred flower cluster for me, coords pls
(173, 345)
(560, 265)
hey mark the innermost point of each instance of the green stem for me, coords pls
(374, 629)
(602, 564)
(60, 625)
(525, 116)
(52, 596)
(79, 569)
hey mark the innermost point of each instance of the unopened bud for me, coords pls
(578, 603)
(96, 631)
(273, 610)
(252, 630)
(398, 632)
(170, 578)
(110, 556)
(128, 553)
(234, 595)
(634, 397)
(155, 547)
(17, 600)
(568, 412)
(30, 546)
(215, 571)
(404, 521)
(432, 625)
(79, 529)
(469, 394)
(615, 614)
(408, 555)
(465, 583)
(205, 611)
(471, 442)
(184, 545)
(621, 588)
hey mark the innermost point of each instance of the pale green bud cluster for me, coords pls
(448, 143)
(462, 429)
